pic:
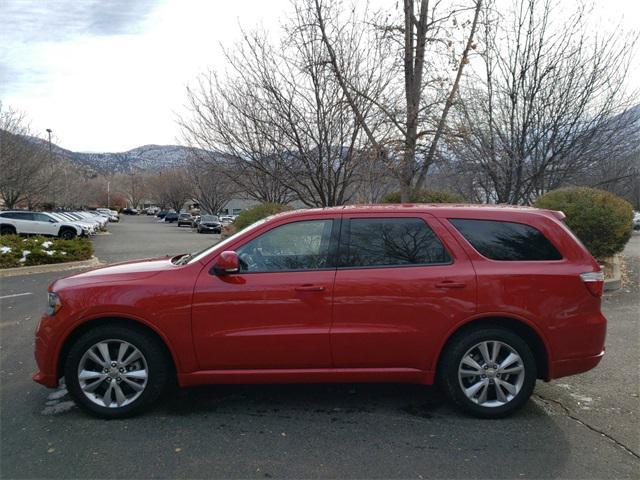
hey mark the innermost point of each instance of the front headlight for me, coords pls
(53, 303)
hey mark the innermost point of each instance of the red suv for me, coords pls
(483, 300)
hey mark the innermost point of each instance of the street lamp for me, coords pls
(53, 200)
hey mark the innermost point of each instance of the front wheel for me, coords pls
(115, 371)
(489, 372)
(68, 234)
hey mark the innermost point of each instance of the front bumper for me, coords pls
(210, 228)
(45, 354)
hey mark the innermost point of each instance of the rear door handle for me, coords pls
(450, 284)
(309, 288)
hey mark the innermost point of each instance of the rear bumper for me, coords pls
(573, 366)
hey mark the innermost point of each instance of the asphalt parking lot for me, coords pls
(585, 426)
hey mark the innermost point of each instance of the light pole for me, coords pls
(53, 200)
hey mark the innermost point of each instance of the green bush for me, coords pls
(42, 250)
(253, 214)
(601, 220)
(425, 196)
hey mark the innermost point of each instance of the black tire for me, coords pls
(158, 366)
(458, 348)
(67, 234)
(7, 230)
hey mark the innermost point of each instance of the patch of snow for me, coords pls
(4, 249)
(581, 398)
(58, 408)
(61, 392)
(47, 244)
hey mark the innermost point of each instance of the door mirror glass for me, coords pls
(227, 263)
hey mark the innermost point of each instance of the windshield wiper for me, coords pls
(183, 259)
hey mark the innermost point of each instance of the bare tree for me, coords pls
(132, 185)
(545, 103)
(22, 161)
(420, 71)
(171, 188)
(282, 117)
(212, 188)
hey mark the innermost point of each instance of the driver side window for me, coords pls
(41, 217)
(293, 246)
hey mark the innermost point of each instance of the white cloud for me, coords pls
(105, 86)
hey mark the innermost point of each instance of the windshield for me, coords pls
(209, 218)
(220, 246)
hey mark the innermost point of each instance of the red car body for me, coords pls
(339, 324)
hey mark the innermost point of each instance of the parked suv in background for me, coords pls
(185, 219)
(209, 223)
(111, 214)
(171, 216)
(40, 223)
(482, 300)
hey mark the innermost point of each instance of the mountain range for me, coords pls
(146, 157)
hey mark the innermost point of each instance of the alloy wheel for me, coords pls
(491, 373)
(113, 373)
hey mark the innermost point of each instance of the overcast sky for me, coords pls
(109, 75)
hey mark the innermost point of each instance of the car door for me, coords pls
(402, 282)
(45, 224)
(24, 222)
(276, 312)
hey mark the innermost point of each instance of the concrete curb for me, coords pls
(615, 282)
(51, 267)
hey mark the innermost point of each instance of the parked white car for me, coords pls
(93, 217)
(90, 227)
(111, 214)
(39, 223)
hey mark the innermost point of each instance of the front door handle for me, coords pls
(450, 284)
(309, 288)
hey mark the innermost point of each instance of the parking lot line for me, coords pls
(16, 295)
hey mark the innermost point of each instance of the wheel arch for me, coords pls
(524, 329)
(64, 228)
(113, 320)
(9, 225)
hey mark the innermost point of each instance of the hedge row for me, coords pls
(253, 214)
(16, 251)
(601, 220)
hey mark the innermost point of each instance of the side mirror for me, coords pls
(227, 263)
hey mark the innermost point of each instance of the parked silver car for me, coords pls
(21, 222)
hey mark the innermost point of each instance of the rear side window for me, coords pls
(378, 242)
(506, 240)
(18, 215)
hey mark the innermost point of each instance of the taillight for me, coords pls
(594, 281)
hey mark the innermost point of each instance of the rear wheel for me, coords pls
(7, 230)
(115, 371)
(67, 234)
(489, 372)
